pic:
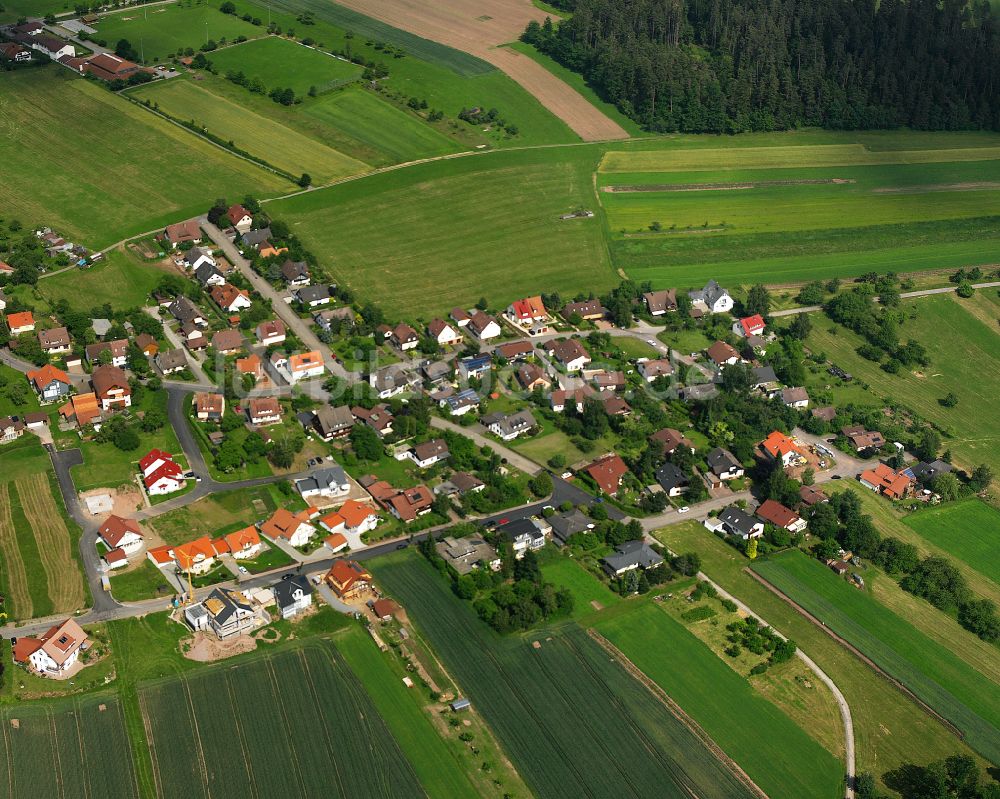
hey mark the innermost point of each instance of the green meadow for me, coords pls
(121, 279)
(161, 30)
(446, 233)
(255, 133)
(281, 63)
(969, 530)
(51, 120)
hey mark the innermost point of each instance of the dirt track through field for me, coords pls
(756, 184)
(21, 605)
(479, 27)
(64, 580)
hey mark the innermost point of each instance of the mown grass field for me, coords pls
(779, 756)
(122, 279)
(941, 324)
(968, 530)
(281, 63)
(164, 29)
(586, 589)
(890, 730)
(301, 708)
(15, 9)
(66, 748)
(149, 173)
(446, 233)
(230, 509)
(958, 692)
(572, 720)
(255, 133)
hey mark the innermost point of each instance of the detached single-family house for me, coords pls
(160, 473)
(251, 365)
(475, 366)
(524, 312)
(330, 481)
(724, 464)
(608, 381)
(443, 333)
(11, 51)
(567, 524)
(461, 403)
(54, 341)
(242, 545)
(652, 369)
(171, 361)
(119, 533)
(270, 332)
(21, 322)
(775, 513)
(55, 651)
(118, 349)
(82, 409)
(208, 274)
(313, 296)
(379, 418)
(523, 535)
(330, 423)
(737, 522)
(349, 579)
(711, 299)
(671, 439)
(883, 480)
(209, 407)
(195, 557)
(404, 337)
(407, 504)
(230, 299)
(240, 218)
(292, 596)
(531, 376)
(228, 341)
(263, 411)
(630, 556)
(796, 397)
(863, 441)
(295, 274)
(11, 429)
(291, 527)
(810, 495)
(483, 326)
(608, 472)
(924, 472)
(229, 613)
(749, 326)
(352, 517)
(561, 398)
(186, 312)
(660, 302)
(509, 426)
(183, 232)
(722, 354)
(427, 454)
(111, 387)
(569, 353)
(195, 259)
(465, 555)
(672, 480)
(589, 310)
(778, 446)
(300, 366)
(515, 350)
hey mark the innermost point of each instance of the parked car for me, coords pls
(683, 509)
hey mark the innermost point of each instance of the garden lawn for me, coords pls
(969, 530)
(228, 510)
(280, 63)
(589, 593)
(257, 134)
(143, 582)
(779, 756)
(890, 730)
(165, 29)
(934, 673)
(53, 119)
(121, 279)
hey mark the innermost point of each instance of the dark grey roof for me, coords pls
(323, 479)
(332, 420)
(565, 525)
(722, 460)
(738, 520)
(206, 272)
(635, 554)
(171, 359)
(924, 472)
(518, 527)
(284, 590)
(255, 237)
(670, 476)
(184, 310)
(293, 269)
(764, 374)
(230, 604)
(311, 293)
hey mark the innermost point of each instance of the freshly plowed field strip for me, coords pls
(63, 577)
(478, 27)
(17, 581)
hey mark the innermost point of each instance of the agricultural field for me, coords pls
(795, 207)
(165, 29)
(66, 748)
(302, 708)
(51, 119)
(934, 673)
(40, 563)
(890, 729)
(15, 9)
(967, 530)
(567, 737)
(972, 436)
(257, 134)
(121, 279)
(280, 63)
(780, 757)
(416, 229)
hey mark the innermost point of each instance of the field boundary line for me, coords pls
(150, 742)
(7, 754)
(858, 654)
(241, 734)
(202, 766)
(55, 750)
(77, 710)
(133, 768)
(17, 578)
(677, 712)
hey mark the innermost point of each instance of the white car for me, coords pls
(683, 509)
(243, 570)
(650, 342)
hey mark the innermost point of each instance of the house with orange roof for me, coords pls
(195, 557)
(50, 383)
(21, 322)
(779, 447)
(408, 504)
(349, 579)
(160, 556)
(251, 365)
(336, 542)
(243, 543)
(300, 366)
(119, 533)
(114, 559)
(291, 527)
(229, 298)
(885, 481)
(352, 517)
(524, 312)
(82, 409)
(209, 407)
(608, 472)
(54, 652)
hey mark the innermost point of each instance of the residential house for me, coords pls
(698, 392)
(378, 418)
(724, 464)
(671, 439)
(183, 232)
(291, 527)
(796, 397)
(764, 379)
(460, 317)
(778, 446)
(295, 274)
(735, 521)
(509, 426)
(465, 555)
(652, 369)
(11, 51)
(384, 609)
(525, 312)
(460, 403)
(195, 259)
(109, 67)
(256, 239)
(924, 472)
(11, 429)
(827, 413)
(119, 533)
(185, 311)
(773, 512)
(313, 296)
(208, 274)
(460, 483)
(863, 441)
(230, 299)
(608, 381)
(410, 503)
(195, 557)
(328, 482)
(711, 299)
(722, 354)
(483, 326)
(302, 366)
(671, 479)
(114, 559)
(568, 523)
(230, 613)
(171, 361)
(240, 218)
(523, 535)
(352, 517)
(52, 47)
(55, 651)
(209, 407)
(531, 376)
(436, 372)
(810, 495)
(251, 365)
(427, 454)
(228, 341)
(54, 341)
(883, 480)
(349, 579)
(404, 337)
(82, 409)
(630, 556)
(118, 349)
(589, 310)
(111, 387)
(263, 411)
(475, 366)
(660, 302)
(292, 596)
(749, 326)
(392, 380)
(243, 544)
(560, 398)
(330, 423)
(443, 333)
(616, 406)
(21, 322)
(160, 473)
(608, 472)
(569, 353)
(515, 350)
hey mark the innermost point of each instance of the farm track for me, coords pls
(65, 583)
(17, 580)
(752, 184)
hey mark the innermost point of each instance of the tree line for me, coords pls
(706, 66)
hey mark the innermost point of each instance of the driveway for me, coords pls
(177, 344)
(477, 433)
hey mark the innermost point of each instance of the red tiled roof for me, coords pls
(115, 528)
(608, 472)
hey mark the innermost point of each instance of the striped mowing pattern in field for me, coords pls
(68, 749)
(294, 723)
(820, 155)
(948, 685)
(17, 582)
(574, 723)
(968, 530)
